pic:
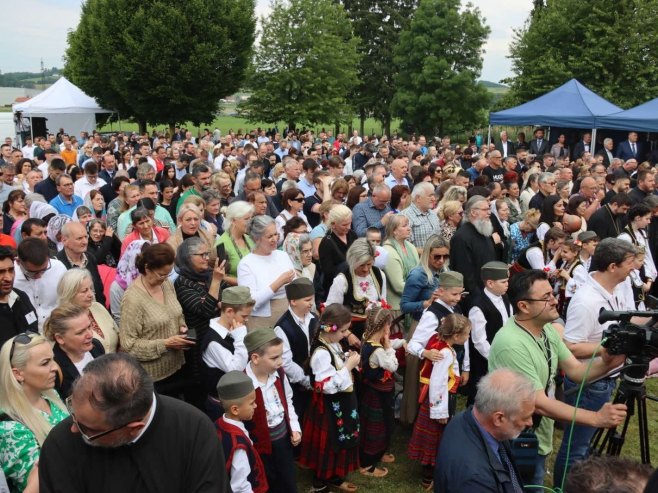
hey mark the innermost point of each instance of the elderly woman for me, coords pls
(209, 228)
(30, 406)
(197, 288)
(143, 229)
(293, 204)
(235, 242)
(96, 203)
(516, 208)
(266, 271)
(54, 231)
(300, 250)
(69, 327)
(152, 323)
(189, 224)
(522, 233)
(126, 273)
(103, 245)
(77, 288)
(499, 220)
(333, 247)
(359, 286)
(401, 259)
(452, 213)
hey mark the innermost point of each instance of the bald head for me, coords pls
(588, 187)
(74, 238)
(399, 168)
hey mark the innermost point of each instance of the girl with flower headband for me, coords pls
(378, 363)
(570, 274)
(331, 434)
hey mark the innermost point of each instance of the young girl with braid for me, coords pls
(378, 363)
(330, 435)
(439, 381)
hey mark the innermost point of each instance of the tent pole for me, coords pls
(31, 130)
(489, 136)
(593, 146)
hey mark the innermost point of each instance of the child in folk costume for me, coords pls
(378, 363)
(570, 275)
(439, 382)
(243, 464)
(330, 435)
(588, 243)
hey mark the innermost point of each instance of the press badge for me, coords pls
(30, 318)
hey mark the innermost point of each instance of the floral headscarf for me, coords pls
(126, 269)
(54, 228)
(292, 247)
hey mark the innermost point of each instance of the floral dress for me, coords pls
(19, 449)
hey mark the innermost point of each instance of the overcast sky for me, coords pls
(36, 29)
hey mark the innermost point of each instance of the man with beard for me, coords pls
(607, 222)
(530, 344)
(121, 436)
(475, 243)
(17, 314)
(475, 452)
(201, 174)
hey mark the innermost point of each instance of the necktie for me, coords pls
(633, 148)
(505, 460)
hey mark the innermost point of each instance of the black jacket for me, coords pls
(469, 251)
(47, 188)
(605, 224)
(467, 464)
(19, 316)
(69, 371)
(92, 267)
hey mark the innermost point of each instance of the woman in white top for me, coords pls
(639, 217)
(265, 271)
(293, 204)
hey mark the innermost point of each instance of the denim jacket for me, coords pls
(416, 291)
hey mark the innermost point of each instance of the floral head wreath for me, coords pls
(329, 328)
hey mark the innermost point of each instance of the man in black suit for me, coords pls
(583, 146)
(538, 145)
(630, 149)
(505, 146)
(606, 152)
(607, 222)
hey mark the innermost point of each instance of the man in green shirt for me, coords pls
(530, 344)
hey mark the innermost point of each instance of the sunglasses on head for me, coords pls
(23, 339)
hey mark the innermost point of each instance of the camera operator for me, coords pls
(530, 344)
(612, 262)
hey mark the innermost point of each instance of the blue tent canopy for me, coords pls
(571, 105)
(643, 118)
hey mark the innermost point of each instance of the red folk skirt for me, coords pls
(425, 439)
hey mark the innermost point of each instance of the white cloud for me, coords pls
(36, 29)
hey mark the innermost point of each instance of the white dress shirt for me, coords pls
(274, 410)
(294, 372)
(339, 380)
(479, 322)
(240, 468)
(217, 356)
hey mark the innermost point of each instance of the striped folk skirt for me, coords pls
(377, 421)
(425, 439)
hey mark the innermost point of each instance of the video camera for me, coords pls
(628, 338)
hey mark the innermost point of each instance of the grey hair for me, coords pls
(287, 185)
(304, 238)
(503, 390)
(544, 177)
(30, 198)
(420, 188)
(236, 210)
(651, 201)
(210, 194)
(69, 284)
(471, 203)
(381, 187)
(611, 251)
(258, 225)
(607, 141)
(360, 252)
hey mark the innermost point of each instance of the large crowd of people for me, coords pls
(305, 292)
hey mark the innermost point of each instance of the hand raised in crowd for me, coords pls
(109, 231)
(611, 415)
(219, 271)
(352, 360)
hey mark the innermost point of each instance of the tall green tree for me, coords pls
(440, 58)
(161, 61)
(305, 65)
(378, 23)
(608, 45)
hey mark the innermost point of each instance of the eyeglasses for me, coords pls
(544, 300)
(204, 255)
(161, 277)
(300, 200)
(33, 274)
(88, 438)
(22, 338)
(440, 257)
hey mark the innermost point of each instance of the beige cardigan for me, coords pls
(107, 325)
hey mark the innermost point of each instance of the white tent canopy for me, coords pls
(65, 106)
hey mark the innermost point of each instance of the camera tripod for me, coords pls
(632, 392)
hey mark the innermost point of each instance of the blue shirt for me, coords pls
(365, 215)
(493, 444)
(67, 208)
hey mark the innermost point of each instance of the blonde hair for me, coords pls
(57, 323)
(69, 284)
(449, 208)
(13, 400)
(195, 200)
(339, 213)
(187, 207)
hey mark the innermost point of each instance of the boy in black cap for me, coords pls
(246, 471)
(296, 329)
(491, 309)
(275, 428)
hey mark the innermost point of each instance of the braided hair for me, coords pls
(377, 318)
(452, 325)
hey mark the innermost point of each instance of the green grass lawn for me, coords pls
(404, 475)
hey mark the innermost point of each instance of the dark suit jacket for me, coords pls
(604, 223)
(47, 188)
(272, 210)
(624, 151)
(106, 176)
(467, 464)
(69, 371)
(538, 151)
(579, 149)
(92, 267)
(606, 159)
(510, 148)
